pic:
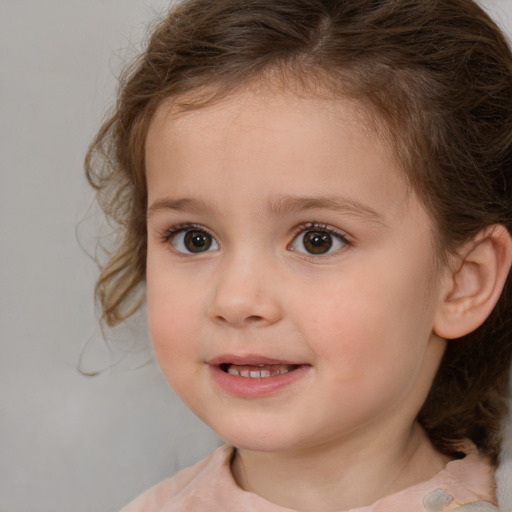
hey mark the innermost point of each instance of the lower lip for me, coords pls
(255, 387)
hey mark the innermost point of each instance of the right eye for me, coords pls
(193, 241)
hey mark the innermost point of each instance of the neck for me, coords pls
(339, 476)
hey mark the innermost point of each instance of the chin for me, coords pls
(258, 438)
(255, 445)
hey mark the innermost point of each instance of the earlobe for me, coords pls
(474, 284)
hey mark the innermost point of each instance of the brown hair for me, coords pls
(438, 76)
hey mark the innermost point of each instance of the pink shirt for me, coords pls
(209, 486)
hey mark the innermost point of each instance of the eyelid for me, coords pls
(170, 232)
(318, 226)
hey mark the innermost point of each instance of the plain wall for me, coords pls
(70, 443)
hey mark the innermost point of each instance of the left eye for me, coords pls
(193, 241)
(318, 242)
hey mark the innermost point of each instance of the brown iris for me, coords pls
(197, 241)
(317, 242)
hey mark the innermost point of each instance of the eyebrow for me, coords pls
(182, 204)
(278, 206)
(345, 205)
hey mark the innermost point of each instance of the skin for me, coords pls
(251, 172)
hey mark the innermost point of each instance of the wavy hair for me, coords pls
(435, 75)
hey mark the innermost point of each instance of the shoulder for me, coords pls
(466, 484)
(504, 472)
(193, 478)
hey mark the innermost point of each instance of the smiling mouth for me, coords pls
(260, 371)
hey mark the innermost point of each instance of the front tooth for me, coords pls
(257, 372)
(280, 371)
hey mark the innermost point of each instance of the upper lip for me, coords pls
(247, 360)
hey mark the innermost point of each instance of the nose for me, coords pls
(246, 294)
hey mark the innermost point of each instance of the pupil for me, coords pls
(196, 241)
(317, 242)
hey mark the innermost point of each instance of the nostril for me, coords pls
(251, 319)
(254, 319)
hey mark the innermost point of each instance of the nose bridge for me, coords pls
(246, 291)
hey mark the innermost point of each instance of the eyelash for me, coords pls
(174, 230)
(317, 226)
(301, 228)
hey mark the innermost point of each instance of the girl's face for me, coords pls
(292, 284)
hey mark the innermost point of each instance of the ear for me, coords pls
(474, 282)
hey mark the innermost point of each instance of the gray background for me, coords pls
(70, 443)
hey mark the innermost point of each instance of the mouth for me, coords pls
(259, 371)
(253, 376)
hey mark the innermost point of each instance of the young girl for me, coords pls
(316, 195)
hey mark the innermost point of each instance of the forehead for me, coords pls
(261, 110)
(268, 92)
(258, 145)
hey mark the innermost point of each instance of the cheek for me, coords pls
(172, 315)
(367, 362)
(376, 324)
